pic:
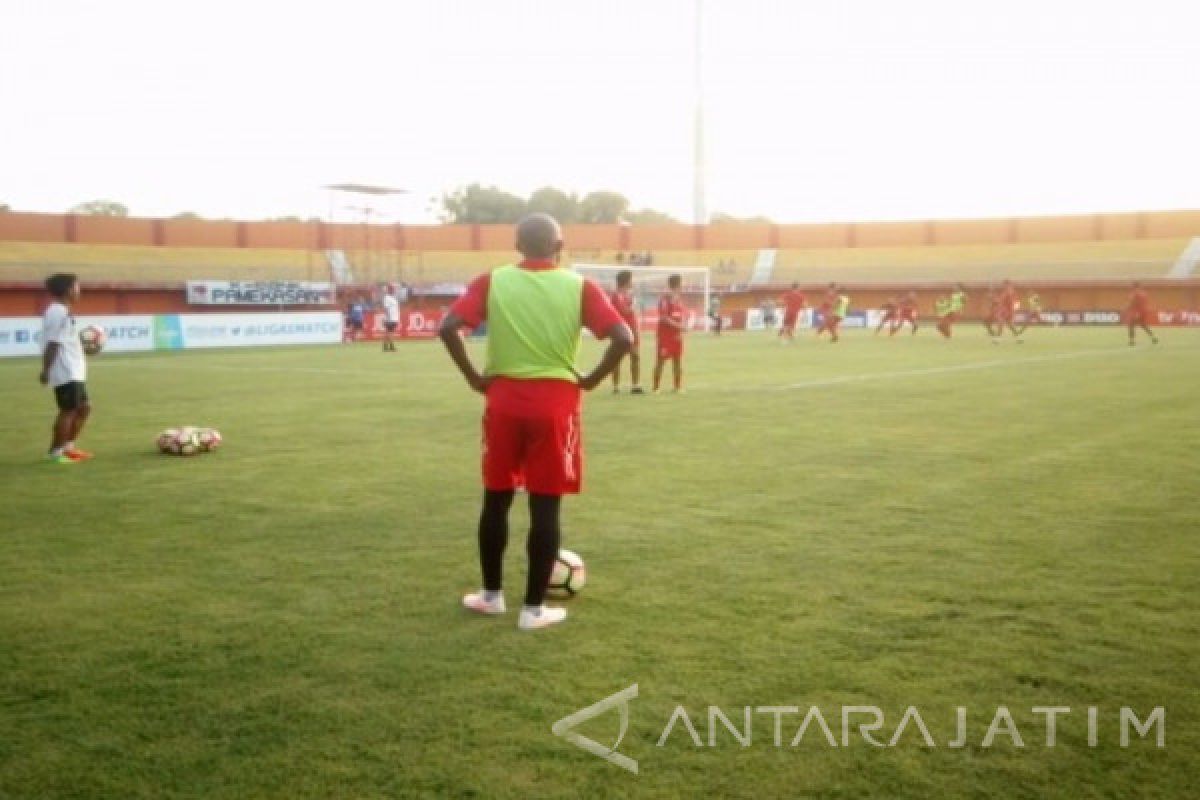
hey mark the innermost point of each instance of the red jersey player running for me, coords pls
(833, 310)
(531, 422)
(622, 300)
(1137, 314)
(793, 303)
(908, 313)
(888, 319)
(1004, 311)
(671, 323)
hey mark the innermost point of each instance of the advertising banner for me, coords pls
(1184, 318)
(249, 330)
(260, 293)
(22, 336)
(414, 324)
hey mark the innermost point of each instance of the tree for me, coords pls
(478, 204)
(721, 218)
(187, 215)
(101, 208)
(5, 207)
(648, 216)
(602, 207)
(555, 202)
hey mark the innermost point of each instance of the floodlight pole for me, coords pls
(699, 202)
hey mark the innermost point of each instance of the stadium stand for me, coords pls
(1138, 258)
(117, 263)
(1086, 247)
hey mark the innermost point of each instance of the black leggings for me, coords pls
(541, 546)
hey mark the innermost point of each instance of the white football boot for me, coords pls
(544, 618)
(475, 602)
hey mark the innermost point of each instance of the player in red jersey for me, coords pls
(622, 300)
(1138, 313)
(908, 313)
(888, 319)
(793, 303)
(1004, 311)
(672, 322)
(535, 311)
(833, 310)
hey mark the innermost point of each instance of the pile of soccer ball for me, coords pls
(188, 441)
(92, 338)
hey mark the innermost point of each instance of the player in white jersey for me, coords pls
(64, 369)
(391, 318)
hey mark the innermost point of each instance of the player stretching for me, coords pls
(391, 318)
(622, 300)
(1137, 315)
(889, 314)
(953, 310)
(1005, 308)
(671, 324)
(833, 310)
(908, 313)
(531, 429)
(64, 369)
(793, 303)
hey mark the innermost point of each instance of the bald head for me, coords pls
(538, 236)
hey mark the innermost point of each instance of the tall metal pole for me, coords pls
(699, 201)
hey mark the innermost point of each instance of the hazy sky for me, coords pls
(815, 110)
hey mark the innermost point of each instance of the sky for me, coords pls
(813, 111)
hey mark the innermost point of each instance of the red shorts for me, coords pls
(908, 315)
(1137, 318)
(789, 321)
(543, 454)
(670, 348)
(888, 316)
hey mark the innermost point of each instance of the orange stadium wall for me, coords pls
(82, 229)
(802, 237)
(199, 233)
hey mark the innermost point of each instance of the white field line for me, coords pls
(839, 380)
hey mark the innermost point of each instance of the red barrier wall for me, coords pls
(24, 227)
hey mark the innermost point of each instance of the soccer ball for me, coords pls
(187, 442)
(209, 439)
(92, 338)
(569, 574)
(166, 440)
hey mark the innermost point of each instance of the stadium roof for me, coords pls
(359, 188)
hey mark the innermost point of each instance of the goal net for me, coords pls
(650, 284)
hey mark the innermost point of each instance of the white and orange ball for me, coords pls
(93, 338)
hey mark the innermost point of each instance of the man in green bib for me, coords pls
(535, 311)
(952, 311)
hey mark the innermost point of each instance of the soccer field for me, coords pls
(885, 523)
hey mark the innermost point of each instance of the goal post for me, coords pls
(650, 283)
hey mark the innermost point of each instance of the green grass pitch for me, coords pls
(888, 523)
